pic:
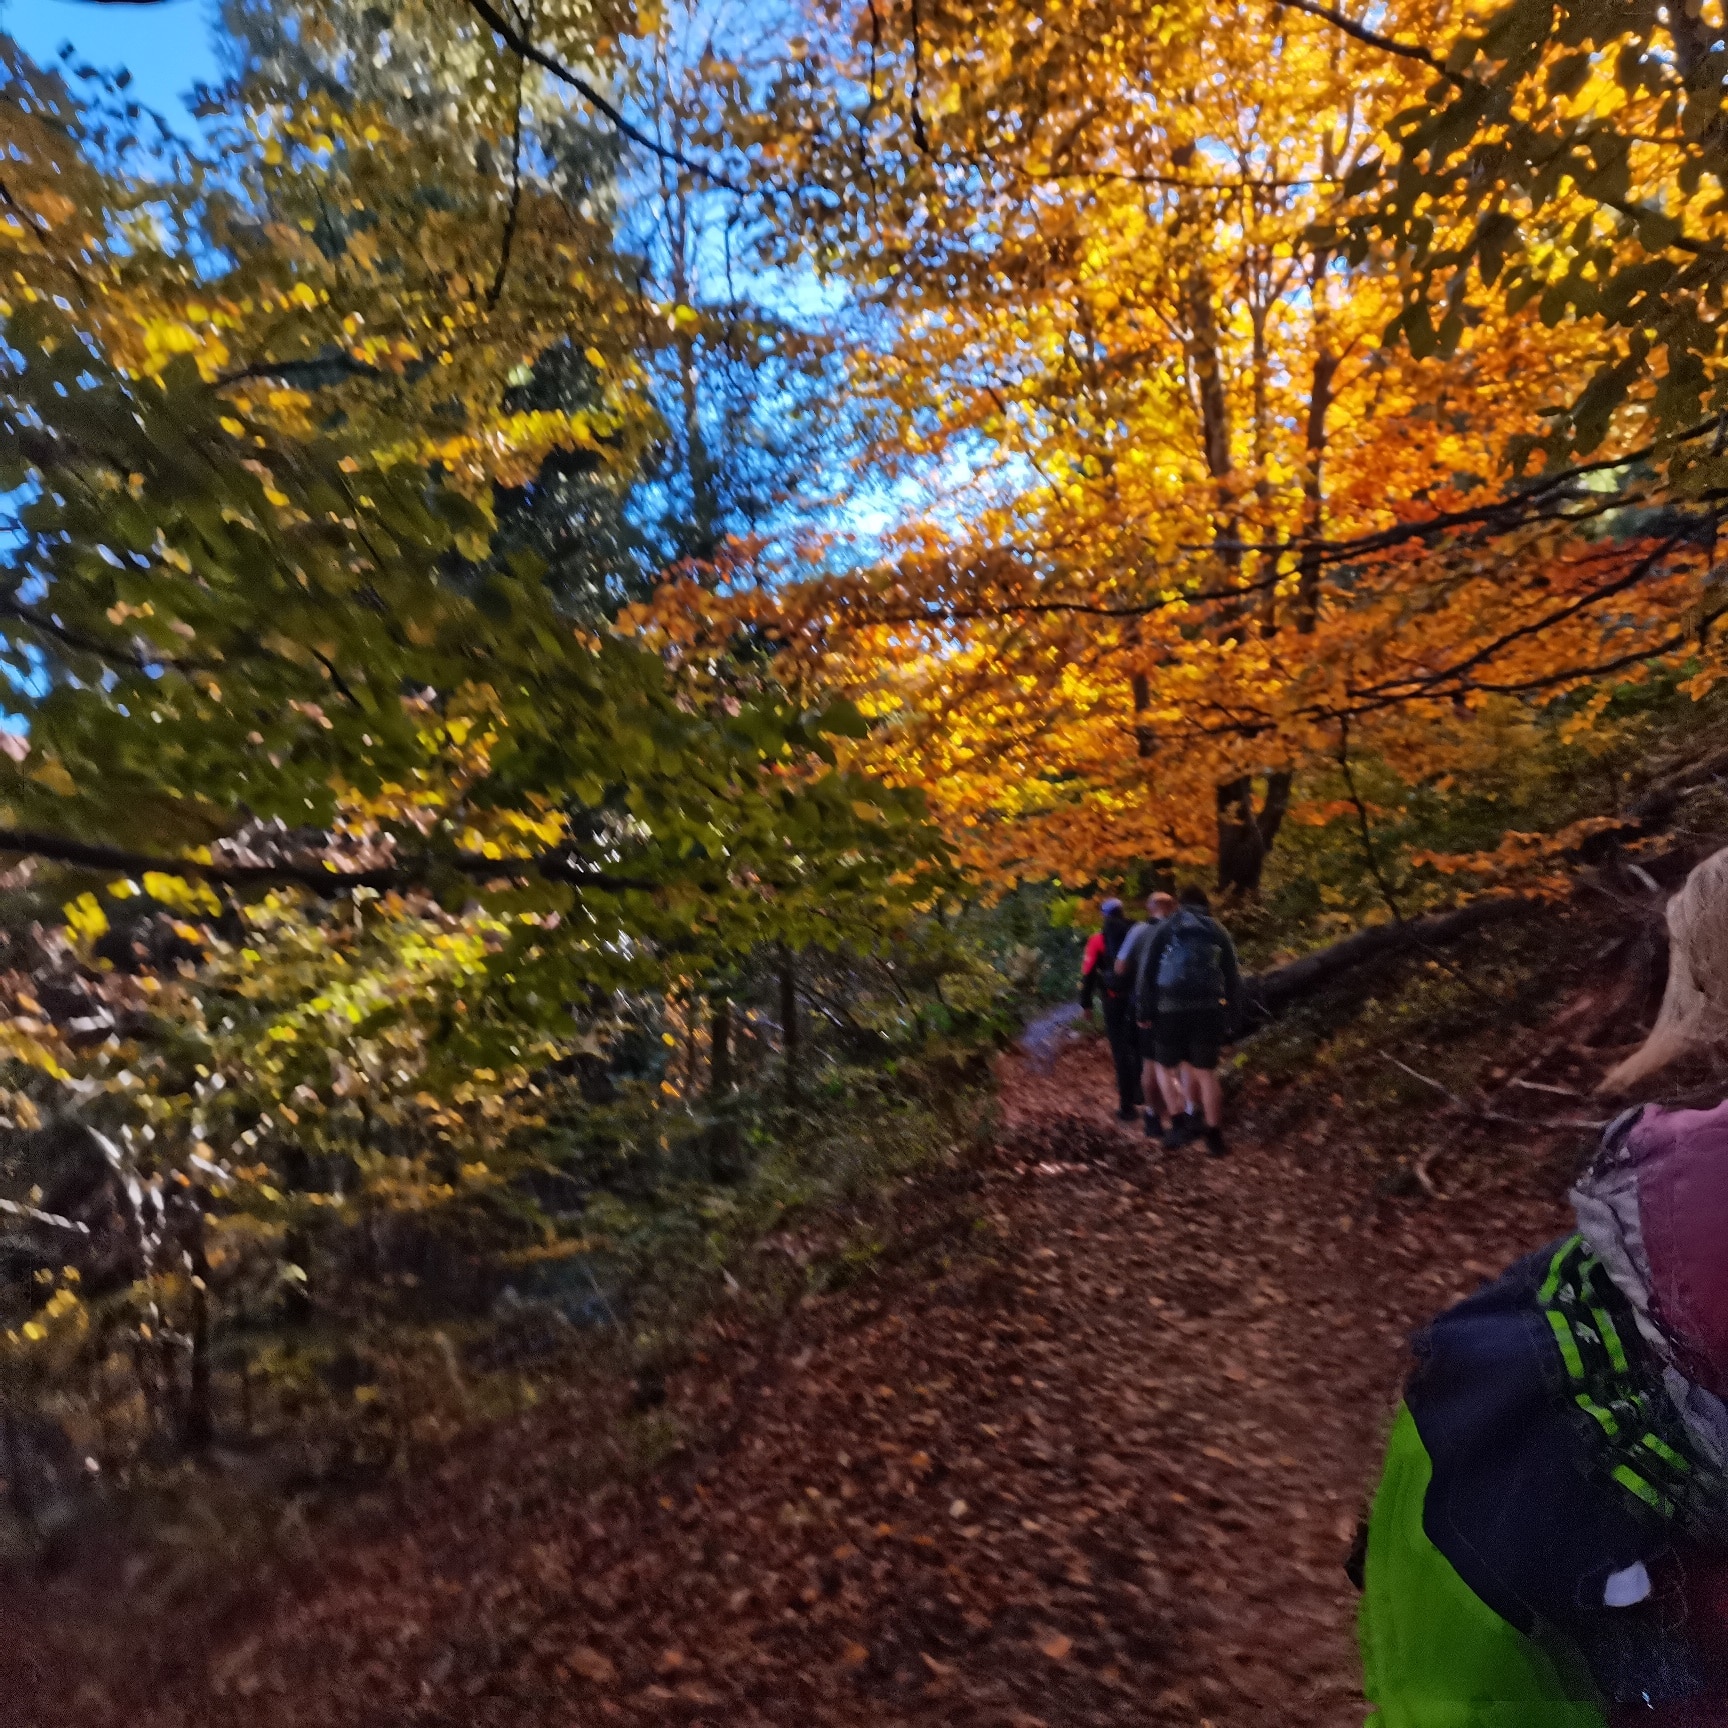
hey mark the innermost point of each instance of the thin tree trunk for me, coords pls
(199, 1428)
(1206, 367)
(720, 1047)
(1313, 483)
(1370, 852)
(1266, 567)
(704, 505)
(1145, 739)
(790, 1054)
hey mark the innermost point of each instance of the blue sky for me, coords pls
(167, 47)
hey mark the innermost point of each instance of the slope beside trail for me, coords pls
(1098, 1461)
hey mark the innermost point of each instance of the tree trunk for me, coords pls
(1266, 564)
(790, 1054)
(1270, 991)
(198, 1422)
(1246, 834)
(1313, 484)
(720, 1047)
(704, 502)
(1206, 368)
(1145, 740)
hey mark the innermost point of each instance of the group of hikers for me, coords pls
(1547, 1546)
(1171, 991)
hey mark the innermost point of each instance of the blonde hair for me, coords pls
(1694, 1012)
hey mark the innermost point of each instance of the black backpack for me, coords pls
(1189, 967)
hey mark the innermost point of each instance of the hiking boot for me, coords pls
(1153, 1130)
(1131, 1114)
(1215, 1147)
(1181, 1131)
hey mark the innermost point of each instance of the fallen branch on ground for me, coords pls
(1270, 991)
(1483, 1114)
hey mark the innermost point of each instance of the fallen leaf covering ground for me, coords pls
(1093, 1454)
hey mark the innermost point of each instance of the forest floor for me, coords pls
(1091, 1450)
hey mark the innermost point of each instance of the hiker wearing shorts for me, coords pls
(1190, 990)
(1130, 968)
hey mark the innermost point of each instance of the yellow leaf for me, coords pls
(53, 775)
(85, 918)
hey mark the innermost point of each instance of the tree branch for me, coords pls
(515, 196)
(92, 855)
(1271, 990)
(312, 373)
(1483, 1114)
(514, 40)
(1373, 39)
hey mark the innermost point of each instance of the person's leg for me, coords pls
(1171, 1051)
(1170, 1089)
(1125, 1053)
(1151, 1093)
(1151, 1087)
(1205, 1047)
(1205, 1082)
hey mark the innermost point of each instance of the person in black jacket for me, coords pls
(1099, 975)
(1190, 991)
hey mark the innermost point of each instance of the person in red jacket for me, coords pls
(1098, 975)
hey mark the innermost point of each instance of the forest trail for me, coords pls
(1103, 1470)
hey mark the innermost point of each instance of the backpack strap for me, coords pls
(1637, 1435)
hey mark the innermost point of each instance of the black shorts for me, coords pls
(1192, 1035)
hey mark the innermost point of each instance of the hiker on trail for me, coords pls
(1101, 974)
(1130, 966)
(1132, 956)
(1190, 989)
(1549, 1542)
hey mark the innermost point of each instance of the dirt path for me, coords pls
(1103, 1469)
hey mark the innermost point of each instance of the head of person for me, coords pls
(1112, 908)
(1194, 896)
(1160, 905)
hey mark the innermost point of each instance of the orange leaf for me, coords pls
(591, 1665)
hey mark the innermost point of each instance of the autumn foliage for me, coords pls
(549, 547)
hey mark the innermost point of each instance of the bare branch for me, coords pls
(514, 40)
(1373, 39)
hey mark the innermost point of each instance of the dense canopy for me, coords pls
(532, 529)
